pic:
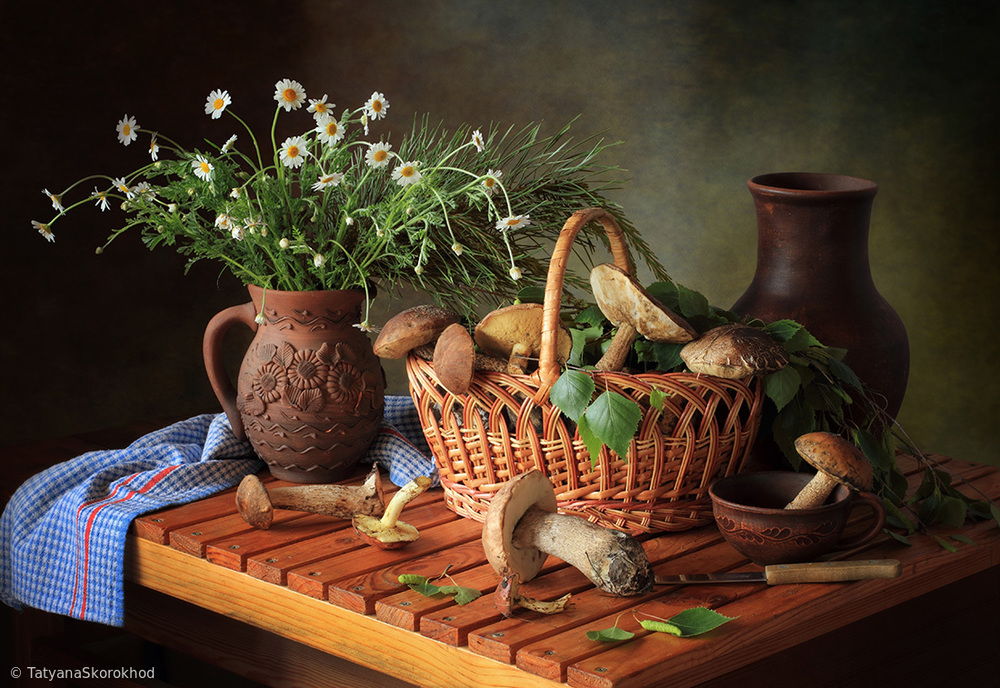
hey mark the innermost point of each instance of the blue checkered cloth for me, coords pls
(62, 535)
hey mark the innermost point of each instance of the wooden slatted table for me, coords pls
(311, 581)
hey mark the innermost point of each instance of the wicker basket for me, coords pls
(505, 426)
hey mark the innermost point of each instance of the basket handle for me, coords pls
(548, 366)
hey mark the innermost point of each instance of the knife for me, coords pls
(812, 572)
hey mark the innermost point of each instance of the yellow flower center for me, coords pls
(376, 106)
(292, 152)
(380, 155)
(320, 107)
(407, 171)
(331, 129)
(290, 95)
(219, 103)
(513, 222)
(489, 182)
(126, 129)
(205, 167)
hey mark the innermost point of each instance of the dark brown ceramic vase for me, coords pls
(310, 391)
(812, 267)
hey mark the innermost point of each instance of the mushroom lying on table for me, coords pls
(734, 351)
(522, 528)
(411, 328)
(389, 532)
(514, 333)
(256, 503)
(836, 461)
(633, 310)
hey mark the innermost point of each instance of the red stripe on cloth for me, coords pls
(397, 434)
(150, 484)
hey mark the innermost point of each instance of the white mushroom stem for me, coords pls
(256, 503)
(614, 358)
(815, 492)
(613, 561)
(404, 496)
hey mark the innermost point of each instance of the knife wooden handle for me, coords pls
(832, 571)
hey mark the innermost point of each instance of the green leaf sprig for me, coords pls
(424, 586)
(686, 624)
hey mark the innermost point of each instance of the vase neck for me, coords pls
(814, 244)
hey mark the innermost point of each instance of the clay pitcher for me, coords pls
(310, 391)
(812, 267)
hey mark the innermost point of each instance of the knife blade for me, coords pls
(810, 572)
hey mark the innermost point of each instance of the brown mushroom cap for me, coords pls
(623, 300)
(455, 359)
(836, 457)
(514, 333)
(254, 503)
(734, 351)
(508, 505)
(412, 328)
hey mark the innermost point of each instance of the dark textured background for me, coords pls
(703, 95)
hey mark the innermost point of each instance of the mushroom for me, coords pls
(734, 351)
(389, 532)
(633, 311)
(456, 359)
(514, 333)
(412, 328)
(522, 528)
(836, 461)
(508, 596)
(256, 503)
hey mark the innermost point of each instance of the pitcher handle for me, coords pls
(878, 511)
(218, 376)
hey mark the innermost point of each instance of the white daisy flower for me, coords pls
(101, 199)
(515, 273)
(128, 130)
(378, 154)
(122, 187)
(491, 180)
(44, 230)
(513, 222)
(293, 151)
(328, 129)
(407, 173)
(328, 180)
(477, 140)
(228, 145)
(365, 327)
(376, 106)
(260, 318)
(217, 102)
(236, 231)
(457, 248)
(319, 259)
(143, 189)
(154, 148)
(202, 168)
(56, 200)
(235, 193)
(284, 243)
(223, 221)
(320, 107)
(289, 94)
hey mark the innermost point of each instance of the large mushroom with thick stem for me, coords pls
(634, 311)
(836, 461)
(734, 351)
(514, 333)
(522, 528)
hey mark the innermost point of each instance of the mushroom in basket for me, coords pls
(514, 333)
(522, 528)
(734, 351)
(634, 311)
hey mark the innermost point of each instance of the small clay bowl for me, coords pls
(749, 511)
